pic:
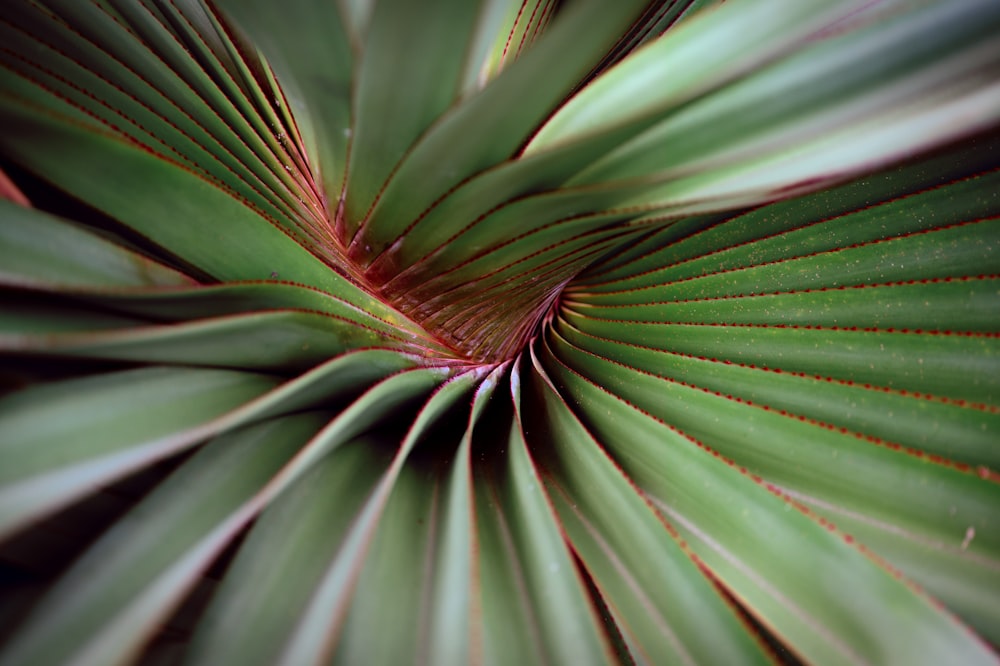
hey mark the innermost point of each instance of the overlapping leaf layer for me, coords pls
(496, 332)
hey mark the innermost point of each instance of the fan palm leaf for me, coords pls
(500, 332)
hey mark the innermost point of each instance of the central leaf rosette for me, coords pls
(486, 297)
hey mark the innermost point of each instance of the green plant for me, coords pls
(497, 332)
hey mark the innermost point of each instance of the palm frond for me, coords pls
(499, 332)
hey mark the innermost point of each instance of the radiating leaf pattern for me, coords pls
(497, 332)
